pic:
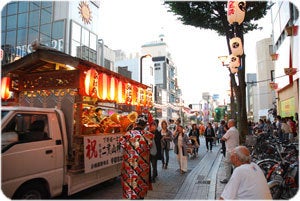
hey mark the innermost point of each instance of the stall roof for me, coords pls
(45, 59)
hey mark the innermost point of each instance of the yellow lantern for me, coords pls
(236, 11)
(5, 82)
(149, 98)
(236, 46)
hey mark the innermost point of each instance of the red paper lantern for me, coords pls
(113, 84)
(5, 83)
(103, 86)
(128, 93)
(91, 83)
(236, 11)
(273, 85)
(121, 92)
(134, 95)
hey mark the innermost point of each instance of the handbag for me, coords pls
(153, 149)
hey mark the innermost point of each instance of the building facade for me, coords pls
(68, 26)
(165, 72)
(285, 22)
(265, 98)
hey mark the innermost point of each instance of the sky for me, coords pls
(129, 24)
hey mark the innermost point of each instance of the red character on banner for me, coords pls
(91, 149)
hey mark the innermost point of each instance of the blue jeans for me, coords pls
(164, 152)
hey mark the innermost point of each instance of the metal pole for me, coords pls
(102, 52)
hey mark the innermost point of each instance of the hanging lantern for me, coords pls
(234, 63)
(5, 83)
(236, 11)
(291, 30)
(121, 92)
(134, 95)
(141, 96)
(290, 71)
(128, 93)
(113, 84)
(236, 46)
(149, 95)
(103, 86)
(273, 85)
(91, 83)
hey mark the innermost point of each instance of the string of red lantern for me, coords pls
(5, 83)
(106, 87)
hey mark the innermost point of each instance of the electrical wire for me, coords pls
(254, 82)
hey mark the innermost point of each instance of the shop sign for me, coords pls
(22, 50)
(287, 107)
(101, 151)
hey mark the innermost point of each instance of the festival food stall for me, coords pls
(99, 105)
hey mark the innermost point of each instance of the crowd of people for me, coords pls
(147, 143)
(285, 128)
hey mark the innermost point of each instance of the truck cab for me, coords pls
(32, 136)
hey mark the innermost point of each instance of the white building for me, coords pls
(264, 96)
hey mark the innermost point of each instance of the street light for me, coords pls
(141, 66)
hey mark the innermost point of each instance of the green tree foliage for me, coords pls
(212, 15)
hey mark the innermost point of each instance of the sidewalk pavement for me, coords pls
(201, 182)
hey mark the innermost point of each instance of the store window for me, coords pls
(83, 43)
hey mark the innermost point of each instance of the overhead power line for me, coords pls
(266, 80)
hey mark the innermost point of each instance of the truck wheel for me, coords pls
(32, 191)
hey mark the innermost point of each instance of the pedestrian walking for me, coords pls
(165, 143)
(209, 135)
(231, 138)
(157, 156)
(135, 171)
(180, 148)
(221, 131)
(201, 129)
(194, 136)
(247, 181)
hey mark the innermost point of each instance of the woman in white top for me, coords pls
(181, 141)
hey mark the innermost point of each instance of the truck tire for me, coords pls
(29, 191)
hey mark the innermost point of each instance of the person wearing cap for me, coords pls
(248, 181)
(135, 171)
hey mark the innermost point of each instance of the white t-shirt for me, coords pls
(247, 182)
(233, 139)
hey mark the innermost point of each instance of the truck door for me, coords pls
(31, 150)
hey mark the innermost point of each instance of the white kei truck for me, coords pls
(47, 147)
(35, 158)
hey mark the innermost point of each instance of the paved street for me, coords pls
(200, 182)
